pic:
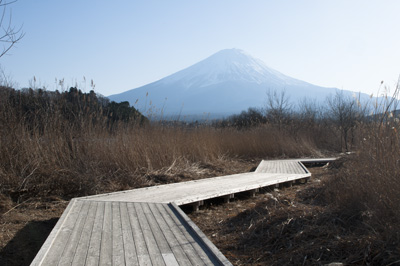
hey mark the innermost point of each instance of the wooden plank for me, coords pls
(60, 242)
(159, 194)
(218, 190)
(196, 243)
(304, 167)
(162, 243)
(140, 243)
(159, 237)
(76, 233)
(93, 256)
(281, 166)
(172, 241)
(213, 253)
(162, 190)
(118, 255)
(170, 260)
(49, 244)
(152, 247)
(184, 239)
(129, 243)
(83, 245)
(317, 160)
(292, 168)
(188, 192)
(106, 240)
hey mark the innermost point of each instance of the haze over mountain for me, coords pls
(225, 83)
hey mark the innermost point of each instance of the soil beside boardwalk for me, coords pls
(293, 226)
(284, 226)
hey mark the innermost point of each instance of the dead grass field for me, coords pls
(352, 215)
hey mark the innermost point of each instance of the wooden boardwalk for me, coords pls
(146, 227)
(283, 167)
(200, 190)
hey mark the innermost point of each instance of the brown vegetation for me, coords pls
(295, 226)
(349, 214)
(67, 145)
(63, 145)
(367, 183)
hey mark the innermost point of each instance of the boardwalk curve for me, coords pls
(146, 226)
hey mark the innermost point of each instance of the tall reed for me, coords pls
(53, 147)
(367, 185)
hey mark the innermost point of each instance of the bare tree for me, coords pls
(307, 115)
(9, 35)
(277, 107)
(345, 112)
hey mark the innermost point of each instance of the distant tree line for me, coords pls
(35, 107)
(338, 119)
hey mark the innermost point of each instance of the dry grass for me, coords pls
(366, 185)
(45, 152)
(42, 154)
(94, 160)
(65, 145)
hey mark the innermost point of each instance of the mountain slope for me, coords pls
(227, 82)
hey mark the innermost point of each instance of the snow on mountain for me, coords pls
(225, 83)
(226, 65)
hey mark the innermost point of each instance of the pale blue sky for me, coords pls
(124, 44)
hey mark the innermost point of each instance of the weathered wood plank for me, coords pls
(152, 247)
(106, 240)
(184, 239)
(140, 243)
(50, 247)
(93, 256)
(188, 192)
(162, 243)
(118, 255)
(129, 243)
(210, 249)
(83, 245)
(304, 167)
(172, 241)
(72, 244)
(157, 233)
(61, 241)
(170, 260)
(198, 246)
(281, 166)
(317, 160)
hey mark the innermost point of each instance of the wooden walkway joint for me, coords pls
(146, 226)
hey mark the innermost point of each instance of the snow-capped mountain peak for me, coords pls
(227, 82)
(225, 65)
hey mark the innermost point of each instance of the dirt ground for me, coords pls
(285, 226)
(293, 226)
(24, 229)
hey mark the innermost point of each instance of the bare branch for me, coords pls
(9, 35)
(7, 3)
(277, 106)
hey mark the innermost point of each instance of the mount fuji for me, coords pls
(225, 83)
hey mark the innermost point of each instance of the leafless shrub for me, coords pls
(346, 113)
(367, 183)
